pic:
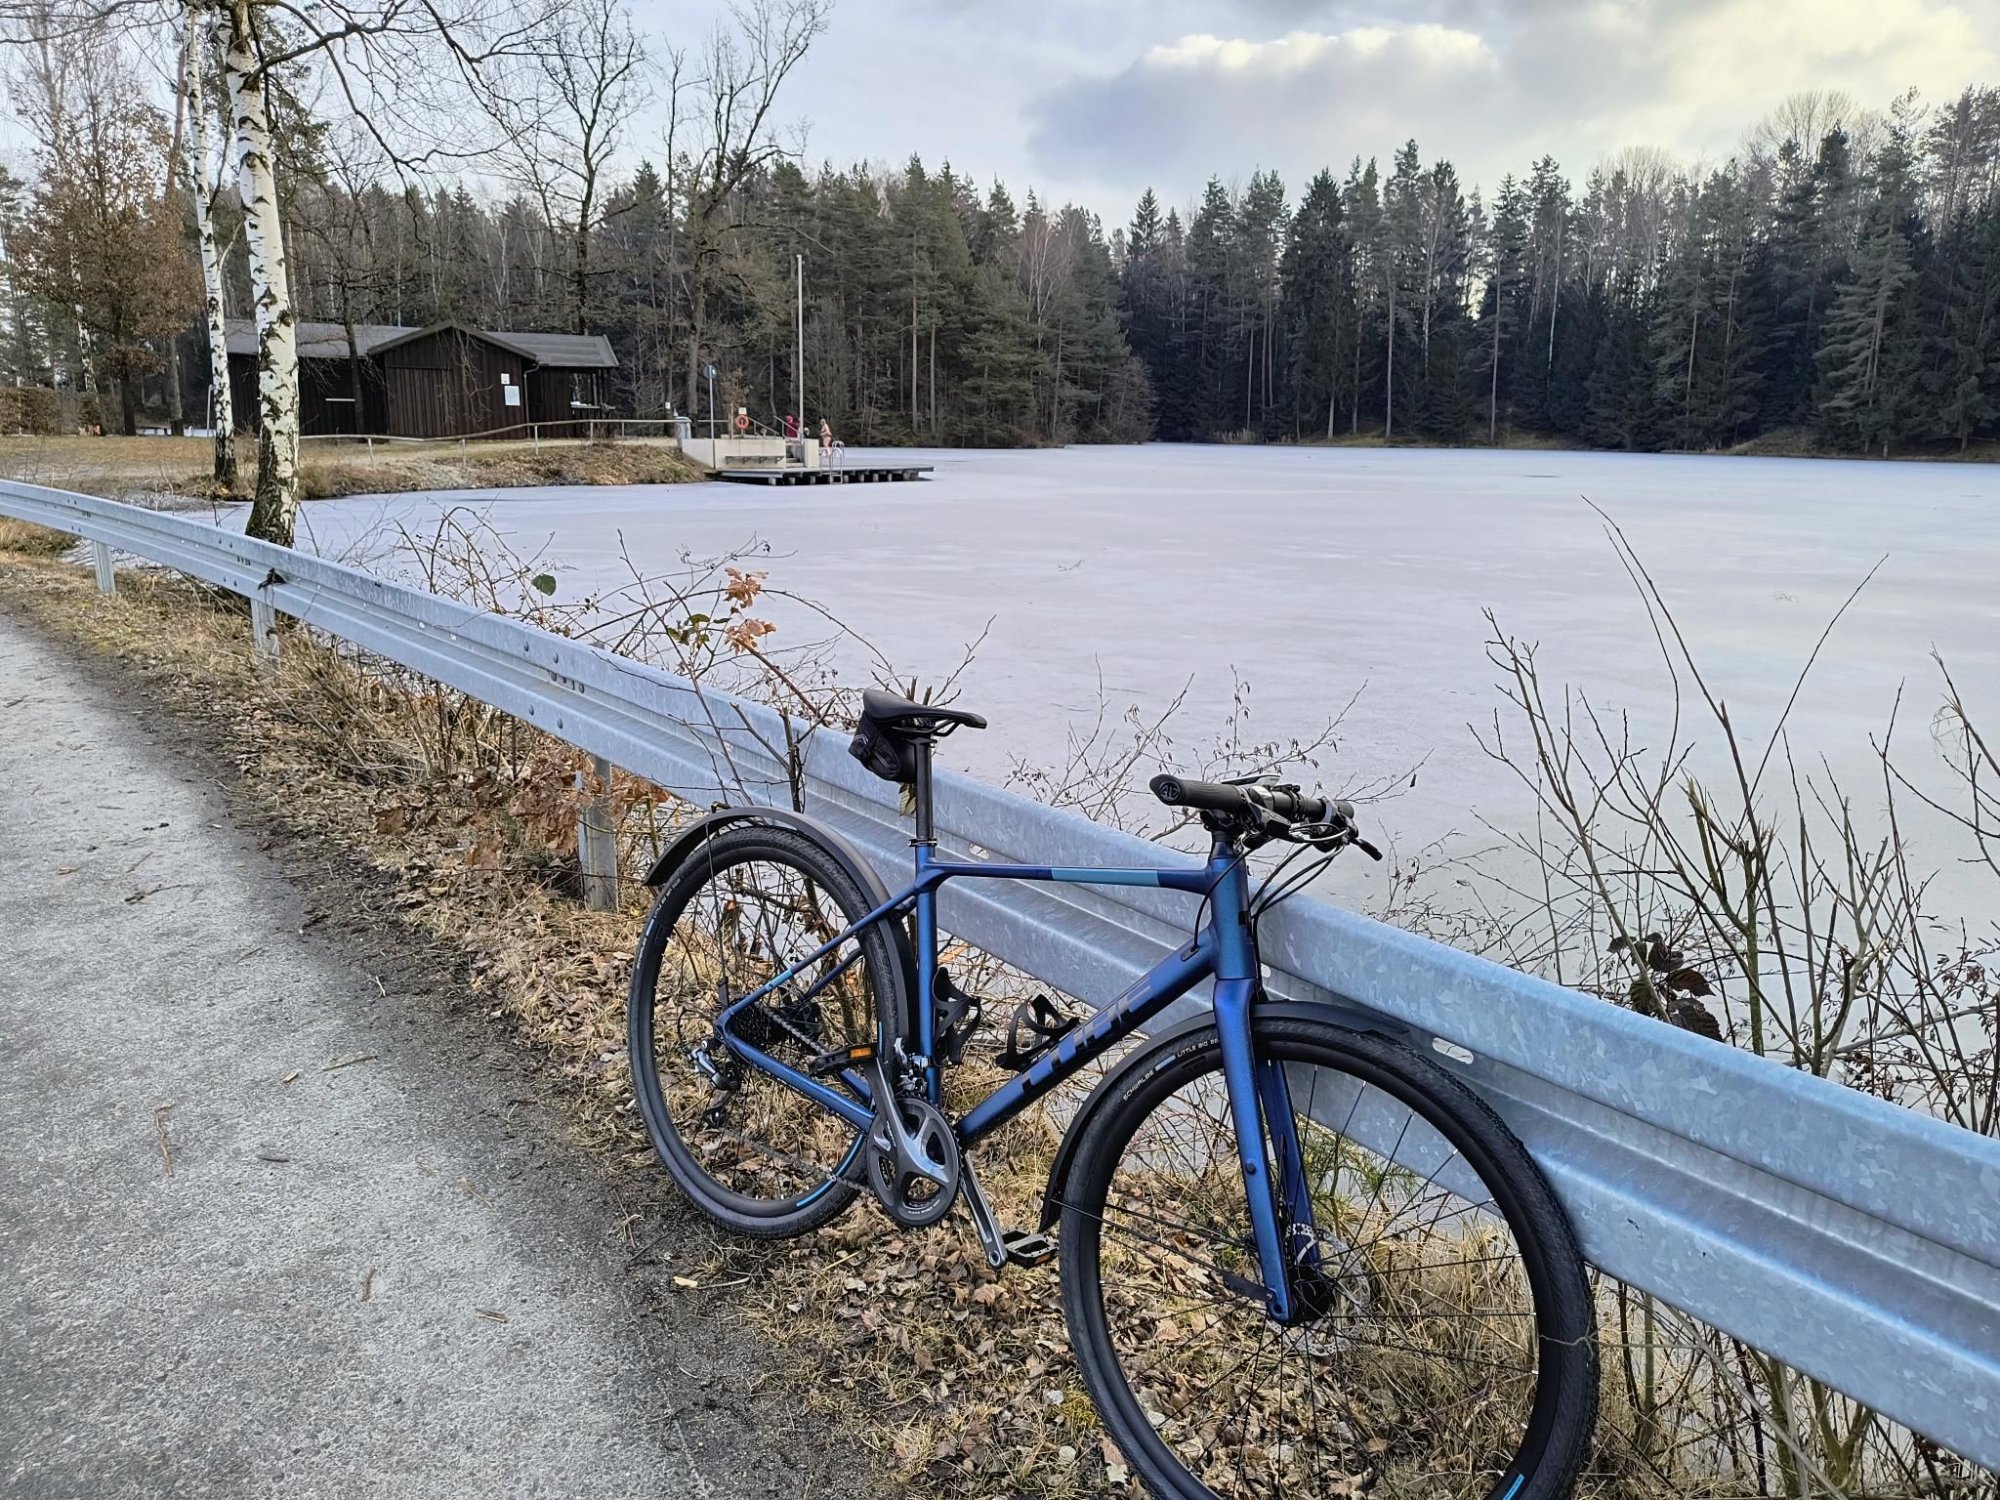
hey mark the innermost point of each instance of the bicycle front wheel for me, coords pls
(1444, 1344)
(748, 905)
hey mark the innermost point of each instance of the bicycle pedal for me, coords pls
(1028, 1247)
(839, 1060)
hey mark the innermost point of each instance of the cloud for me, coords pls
(1493, 86)
(1193, 106)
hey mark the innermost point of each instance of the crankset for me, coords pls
(913, 1158)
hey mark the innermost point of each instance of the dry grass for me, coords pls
(108, 466)
(26, 540)
(329, 473)
(115, 467)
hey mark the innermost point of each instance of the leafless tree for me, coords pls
(401, 68)
(562, 108)
(334, 222)
(1807, 118)
(722, 132)
(101, 235)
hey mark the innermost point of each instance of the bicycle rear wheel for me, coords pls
(748, 904)
(1445, 1347)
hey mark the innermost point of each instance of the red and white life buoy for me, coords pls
(742, 421)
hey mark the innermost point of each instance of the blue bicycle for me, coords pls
(1297, 1258)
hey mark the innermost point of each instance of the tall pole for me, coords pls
(799, 359)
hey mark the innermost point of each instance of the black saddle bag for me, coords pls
(884, 754)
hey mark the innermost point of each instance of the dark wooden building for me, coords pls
(340, 389)
(443, 381)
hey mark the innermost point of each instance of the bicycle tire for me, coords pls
(1556, 1429)
(671, 1103)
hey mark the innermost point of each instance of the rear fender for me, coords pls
(851, 860)
(1161, 1050)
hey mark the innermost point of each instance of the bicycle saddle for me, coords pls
(891, 728)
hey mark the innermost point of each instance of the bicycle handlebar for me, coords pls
(1249, 801)
(1269, 811)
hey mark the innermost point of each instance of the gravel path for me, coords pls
(278, 1214)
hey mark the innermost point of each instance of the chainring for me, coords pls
(911, 1199)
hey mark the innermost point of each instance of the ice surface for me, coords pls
(1314, 573)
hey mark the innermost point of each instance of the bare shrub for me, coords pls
(1772, 908)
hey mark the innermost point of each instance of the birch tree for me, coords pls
(203, 183)
(275, 502)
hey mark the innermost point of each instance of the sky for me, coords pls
(1094, 100)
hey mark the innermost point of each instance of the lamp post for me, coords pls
(799, 359)
(708, 372)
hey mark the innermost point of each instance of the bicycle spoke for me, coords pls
(1414, 1347)
(749, 921)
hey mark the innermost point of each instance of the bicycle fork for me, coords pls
(1274, 1180)
(1260, 1109)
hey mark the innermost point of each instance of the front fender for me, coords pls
(1161, 1047)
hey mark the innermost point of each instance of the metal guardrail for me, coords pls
(1855, 1240)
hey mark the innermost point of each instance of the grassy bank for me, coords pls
(115, 467)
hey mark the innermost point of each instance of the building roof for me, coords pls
(318, 340)
(559, 351)
(554, 351)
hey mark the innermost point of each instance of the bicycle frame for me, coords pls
(1224, 949)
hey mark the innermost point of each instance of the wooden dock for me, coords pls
(847, 474)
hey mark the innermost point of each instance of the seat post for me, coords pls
(921, 791)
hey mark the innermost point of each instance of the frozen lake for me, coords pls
(1314, 574)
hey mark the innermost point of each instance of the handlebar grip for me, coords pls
(1235, 800)
(1202, 796)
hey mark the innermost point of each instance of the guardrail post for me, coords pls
(263, 632)
(596, 843)
(107, 578)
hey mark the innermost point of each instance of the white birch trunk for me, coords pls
(196, 168)
(274, 510)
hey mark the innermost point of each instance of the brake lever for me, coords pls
(1334, 837)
